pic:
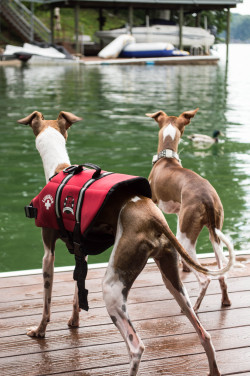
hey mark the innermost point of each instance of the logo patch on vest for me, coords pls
(68, 205)
(48, 201)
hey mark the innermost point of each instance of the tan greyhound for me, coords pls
(140, 230)
(181, 191)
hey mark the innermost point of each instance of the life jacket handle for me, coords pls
(75, 169)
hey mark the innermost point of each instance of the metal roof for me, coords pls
(168, 4)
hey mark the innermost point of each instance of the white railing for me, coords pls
(22, 19)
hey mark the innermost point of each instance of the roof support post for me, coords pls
(228, 32)
(198, 20)
(51, 25)
(130, 17)
(32, 23)
(77, 9)
(101, 19)
(181, 17)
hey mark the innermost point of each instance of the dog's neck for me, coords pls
(52, 147)
(169, 137)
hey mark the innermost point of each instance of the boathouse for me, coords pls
(13, 11)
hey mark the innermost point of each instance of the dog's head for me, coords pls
(172, 125)
(39, 124)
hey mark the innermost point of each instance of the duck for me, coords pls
(204, 139)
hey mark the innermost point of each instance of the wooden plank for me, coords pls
(63, 296)
(101, 356)
(101, 334)
(99, 316)
(190, 365)
(149, 277)
(99, 273)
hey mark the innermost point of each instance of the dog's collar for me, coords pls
(166, 153)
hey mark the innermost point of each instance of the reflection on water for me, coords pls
(117, 135)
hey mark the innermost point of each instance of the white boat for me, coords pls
(192, 37)
(33, 54)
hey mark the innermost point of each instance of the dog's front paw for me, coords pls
(35, 332)
(73, 322)
(215, 371)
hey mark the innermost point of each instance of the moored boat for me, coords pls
(34, 54)
(191, 36)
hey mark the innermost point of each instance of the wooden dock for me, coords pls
(95, 60)
(96, 347)
(179, 60)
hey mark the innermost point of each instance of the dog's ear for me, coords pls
(66, 119)
(159, 117)
(34, 120)
(187, 115)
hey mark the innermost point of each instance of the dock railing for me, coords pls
(28, 26)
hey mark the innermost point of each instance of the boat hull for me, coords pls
(191, 36)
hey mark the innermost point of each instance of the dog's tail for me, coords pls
(183, 253)
(219, 251)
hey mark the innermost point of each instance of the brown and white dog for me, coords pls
(181, 191)
(140, 232)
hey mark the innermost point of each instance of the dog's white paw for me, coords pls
(73, 322)
(35, 332)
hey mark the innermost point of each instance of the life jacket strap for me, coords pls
(80, 273)
(73, 241)
(30, 211)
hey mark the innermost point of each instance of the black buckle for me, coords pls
(30, 211)
(95, 167)
(75, 169)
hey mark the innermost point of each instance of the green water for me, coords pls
(116, 135)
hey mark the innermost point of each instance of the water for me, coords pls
(116, 135)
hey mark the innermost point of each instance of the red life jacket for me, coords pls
(73, 199)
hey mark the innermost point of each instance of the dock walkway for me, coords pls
(96, 347)
(179, 60)
(97, 61)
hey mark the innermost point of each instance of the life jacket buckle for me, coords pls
(74, 169)
(30, 211)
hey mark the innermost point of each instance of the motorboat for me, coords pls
(192, 37)
(38, 54)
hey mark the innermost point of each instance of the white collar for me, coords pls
(166, 153)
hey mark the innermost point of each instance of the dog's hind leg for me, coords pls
(74, 320)
(202, 279)
(49, 237)
(168, 266)
(115, 291)
(128, 258)
(183, 240)
(218, 250)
